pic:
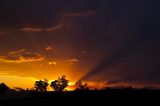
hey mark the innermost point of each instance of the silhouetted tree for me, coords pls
(60, 84)
(41, 85)
(81, 86)
(3, 88)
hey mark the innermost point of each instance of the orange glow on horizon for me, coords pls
(25, 74)
(17, 81)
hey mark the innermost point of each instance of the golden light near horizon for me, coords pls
(27, 82)
(16, 81)
(22, 66)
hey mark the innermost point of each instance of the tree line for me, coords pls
(57, 85)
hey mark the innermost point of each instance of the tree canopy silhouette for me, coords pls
(3, 88)
(60, 84)
(41, 85)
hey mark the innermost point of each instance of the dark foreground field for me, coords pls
(118, 96)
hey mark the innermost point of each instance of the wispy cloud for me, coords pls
(30, 29)
(61, 22)
(53, 63)
(49, 48)
(49, 29)
(20, 56)
(72, 60)
(16, 52)
(55, 27)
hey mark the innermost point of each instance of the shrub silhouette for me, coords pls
(41, 85)
(60, 84)
(18, 89)
(3, 88)
(81, 86)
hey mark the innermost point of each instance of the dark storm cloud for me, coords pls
(143, 26)
(40, 13)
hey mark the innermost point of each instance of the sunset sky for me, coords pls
(114, 42)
